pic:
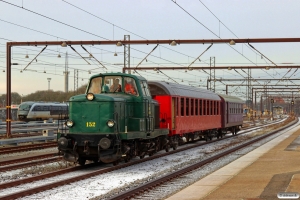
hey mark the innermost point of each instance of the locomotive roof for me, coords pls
(231, 99)
(119, 74)
(166, 88)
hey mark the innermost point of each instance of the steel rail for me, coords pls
(29, 164)
(155, 183)
(13, 161)
(27, 147)
(85, 176)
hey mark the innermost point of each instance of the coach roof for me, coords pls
(231, 99)
(165, 88)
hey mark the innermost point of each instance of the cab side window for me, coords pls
(145, 88)
(130, 86)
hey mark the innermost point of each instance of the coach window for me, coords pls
(207, 107)
(36, 108)
(196, 107)
(200, 106)
(214, 104)
(204, 107)
(215, 108)
(192, 107)
(182, 106)
(187, 105)
(178, 106)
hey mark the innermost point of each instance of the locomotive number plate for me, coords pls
(90, 124)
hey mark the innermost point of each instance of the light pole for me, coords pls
(292, 107)
(3, 101)
(272, 102)
(49, 79)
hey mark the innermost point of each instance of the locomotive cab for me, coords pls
(114, 119)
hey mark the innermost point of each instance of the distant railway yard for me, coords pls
(35, 170)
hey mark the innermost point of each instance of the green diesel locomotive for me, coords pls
(116, 119)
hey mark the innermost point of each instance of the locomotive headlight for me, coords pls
(90, 96)
(110, 123)
(69, 123)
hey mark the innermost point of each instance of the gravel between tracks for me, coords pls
(103, 186)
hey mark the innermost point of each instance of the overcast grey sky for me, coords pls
(155, 19)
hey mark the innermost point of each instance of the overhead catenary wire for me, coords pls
(228, 72)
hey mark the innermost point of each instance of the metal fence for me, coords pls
(13, 114)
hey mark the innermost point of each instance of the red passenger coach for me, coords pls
(187, 111)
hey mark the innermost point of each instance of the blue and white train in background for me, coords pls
(37, 111)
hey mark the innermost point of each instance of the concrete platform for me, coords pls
(261, 174)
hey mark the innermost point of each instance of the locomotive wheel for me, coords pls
(126, 159)
(151, 153)
(115, 163)
(81, 161)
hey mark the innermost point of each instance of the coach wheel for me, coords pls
(206, 138)
(81, 161)
(175, 146)
(167, 148)
(192, 138)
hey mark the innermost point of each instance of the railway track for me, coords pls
(30, 147)
(28, 161)
(140, 190)
(86, 175)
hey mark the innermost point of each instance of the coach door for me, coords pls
(174, 111)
